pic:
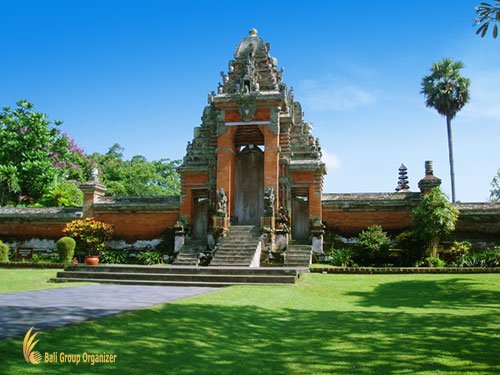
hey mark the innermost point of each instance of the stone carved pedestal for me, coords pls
(180, 235)
(317, 232)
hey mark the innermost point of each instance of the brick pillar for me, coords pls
(226, 162)
(186, 203)
(91, 190)
(315, 201)
(271, 162)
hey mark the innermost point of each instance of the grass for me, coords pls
(357, 324)
(21, 279)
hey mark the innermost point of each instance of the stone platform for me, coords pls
(181, 275)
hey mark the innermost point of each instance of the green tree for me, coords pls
(486, 14)
(35, 155)
(495, 188)
(137, 176)
(447, 92)
(62, 193)
(434, 217)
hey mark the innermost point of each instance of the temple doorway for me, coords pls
(249, 181)
(200, 218)
(300, 217)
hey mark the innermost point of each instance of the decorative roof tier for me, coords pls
(403, 184)
(253, 68)
(254, 81)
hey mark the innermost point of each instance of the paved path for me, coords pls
(52, 308)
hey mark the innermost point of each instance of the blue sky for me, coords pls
(138, 73)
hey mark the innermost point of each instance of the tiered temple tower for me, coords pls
(252, 142)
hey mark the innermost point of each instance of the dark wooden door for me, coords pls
(300, 218)
(249, 195)
(200, 219)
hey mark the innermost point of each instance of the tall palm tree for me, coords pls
(447, 92)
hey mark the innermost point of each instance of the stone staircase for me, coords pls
(298, 255)
(180, 275)
(188, 256)
(238, 248)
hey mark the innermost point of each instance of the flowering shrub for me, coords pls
(90, 235)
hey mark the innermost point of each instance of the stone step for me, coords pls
(223, 264)
(249, 250)
(232, 255)
(239, 241)
(237, 246)
(280, 279)
(174, 269)
(163, 283)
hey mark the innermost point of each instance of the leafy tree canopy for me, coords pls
(445, 89)
(35, 156)
(486, 14)
(434, 217)
(137, 176)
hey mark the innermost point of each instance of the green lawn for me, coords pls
(356, 324)
(20, 279)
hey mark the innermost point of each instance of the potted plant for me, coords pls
(91, 236)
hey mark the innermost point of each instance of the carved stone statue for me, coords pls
(283, 220)
(94, 175)
(221, 203)
(269, 199)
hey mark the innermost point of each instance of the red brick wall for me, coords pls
(353, 222)
(28, 230)
(131, 227)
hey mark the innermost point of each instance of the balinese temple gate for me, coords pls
(253, 161)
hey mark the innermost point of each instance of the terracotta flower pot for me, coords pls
(92, 260)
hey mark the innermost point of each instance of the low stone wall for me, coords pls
(142, 222)
(139, 222)
(401, 270)
(138, 218)
(348, 214)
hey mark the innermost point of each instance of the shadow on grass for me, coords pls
(202, 339)
(450, 293)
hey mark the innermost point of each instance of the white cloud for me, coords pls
(333, 94)
(331, 160)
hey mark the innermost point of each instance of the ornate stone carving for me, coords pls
(221, 123)
(283, 220)
(274, 126)
(221, 203)
(247, 107)
(269, 199)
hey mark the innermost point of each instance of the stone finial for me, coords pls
(429, 170)
(403, 184)
(253, 32)
(430, 181)
(94, 175)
